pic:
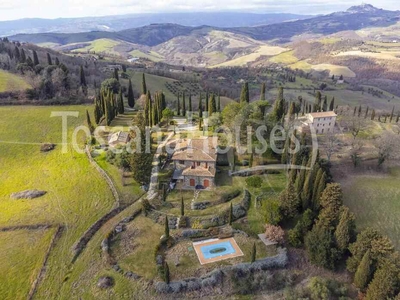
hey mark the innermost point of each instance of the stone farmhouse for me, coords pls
(195, 162)
(322, 122)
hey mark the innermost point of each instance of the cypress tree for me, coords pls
(121, 109)
(200, 106)
(166, 273)
(166, 229)
(244, 96)
(147, 109)
(35, 58)
(57, 61)
(331, 202)
(385, 283)
(325, 105)
(230, 214)
(49, 61)
(292, 111)
(262, 94)
(219, 103)
(332, 104)
(183, 105)
(182, 207)
(366, 113)
(144, 87)
(207, 96)
(116, 75)
(253, 253)
(373, 115)
(391, 115)
(364, 272)
(285, 155)
(89, 122)
(307, 193)
(320, 189)
(23, 56)
(300, 180)
(190, 103)
(279, 106)
(178, 110)
(17, 55)
(315, 199)
(354, 112)
(212, 105)
(289, 201)
(82, 77)
(318, 101)
(344, 232)
(131, 99)
(359, 111)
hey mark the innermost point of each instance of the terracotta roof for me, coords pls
(323, 114)
(201, 149)
(199, 171)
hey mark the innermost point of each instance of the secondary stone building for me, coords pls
(195, 162)
(322, 122)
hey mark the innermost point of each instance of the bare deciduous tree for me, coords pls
(331, 140)
(387, 146)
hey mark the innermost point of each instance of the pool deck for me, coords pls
(197, 247)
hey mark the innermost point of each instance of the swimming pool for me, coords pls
(218, 249)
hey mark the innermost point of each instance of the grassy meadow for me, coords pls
(12, 82)
(375, 200)
(76, 196)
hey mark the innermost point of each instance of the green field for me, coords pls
(153, 56)
(76, 196)
(21, 255)
(11, 82)
(376, 202)
(154, 83)
(100, 45)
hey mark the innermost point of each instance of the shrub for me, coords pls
(230, 195)
(254, 181)
(196, 224)
(273, 213)
(296, 236)
(274, 233)
(110, 156)
(319, 289)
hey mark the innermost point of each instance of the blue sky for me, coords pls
(16, 9)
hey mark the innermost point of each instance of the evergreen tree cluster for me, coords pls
(153, 108)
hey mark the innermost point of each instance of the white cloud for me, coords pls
(78, 8)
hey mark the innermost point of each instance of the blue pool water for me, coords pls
(220, 249)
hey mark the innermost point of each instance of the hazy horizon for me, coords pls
(20, 9)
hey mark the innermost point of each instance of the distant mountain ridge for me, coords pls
(357, 17)
(122, 22)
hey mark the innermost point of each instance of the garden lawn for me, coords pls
(375, 200)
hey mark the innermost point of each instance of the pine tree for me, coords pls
(131, 99)
(344, 232)
(332, 104)
(262, 94)
(244, 95)
(121, 109)
(253, 253)
(82, 77)
(166, 229)
(49, 61)
(212, 105)
(144, 87)
(364, 272)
